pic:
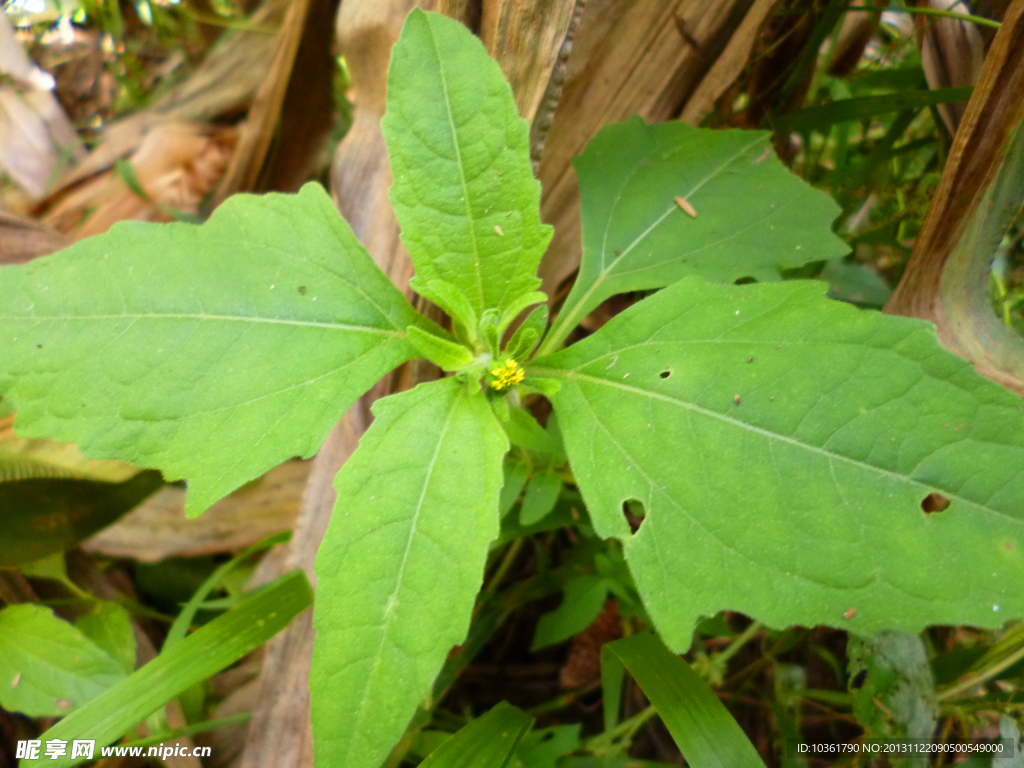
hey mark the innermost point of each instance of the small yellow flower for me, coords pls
(508, 375)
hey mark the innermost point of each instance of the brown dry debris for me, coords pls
(583, 667)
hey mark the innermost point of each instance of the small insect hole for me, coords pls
(858, 679)
(935, 502)
(633, 511)
(665, 374)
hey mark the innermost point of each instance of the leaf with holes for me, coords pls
(782, 446)
(464, 191)
(212, 353)
(660, 202)
(400, 565)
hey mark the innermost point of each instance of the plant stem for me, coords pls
(980, 677)
(506, 563)
(738, 642)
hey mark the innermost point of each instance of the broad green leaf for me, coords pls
(109, 627)
(212, 353)
(701, 726)
(48, 667)
(205, 652)
(753, 217)
(401, 564)
(42, 516)
(464, 191)
(487, 742)
(785, 449)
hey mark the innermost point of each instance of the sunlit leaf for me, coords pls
(401, 564)
(798, 460)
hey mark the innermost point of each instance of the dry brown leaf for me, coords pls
(583, 667)
(946, 279)
(952, 54)
(177, 165)
(23, 239)
(58, 459)
(159, 529)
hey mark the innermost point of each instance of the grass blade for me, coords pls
(205, 652)
(702, 727)
(487, 742)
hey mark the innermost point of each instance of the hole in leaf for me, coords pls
(633, 511)
(665, 374)
(858, 680)
(935, 502)
(547, 737)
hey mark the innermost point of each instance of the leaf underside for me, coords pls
(213, 353)
(401, 564)
(464, 191)
(783, 447)
(753, 216)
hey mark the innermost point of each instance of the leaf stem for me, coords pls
(980, 677)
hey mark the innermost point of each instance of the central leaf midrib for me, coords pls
(385, 625)
(218, 318)
(462, 175)
(768, 434)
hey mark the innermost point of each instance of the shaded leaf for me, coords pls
(401, 564)
(753, 217)
(163, 345)
(782, 447)
(463, 192)
(43, 516)
(110, 628)
(540, 496)
(47, 667)
(542, 748)
(583, 600)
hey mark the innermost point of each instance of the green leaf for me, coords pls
(212, 353)
(487, 742)
(401, 564)
(47, 667)
(753, 218)
(110, 628)
(42, 516)
(527, 335)
(524, 431)
(540, 496)
(205, 652)
(701, 726)
(785, 449)
(542, 748)
(445, 353)
(867, 107)
(464, 191)
(516, 474)
(583, 600)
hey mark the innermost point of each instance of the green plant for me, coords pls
(791, 457)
